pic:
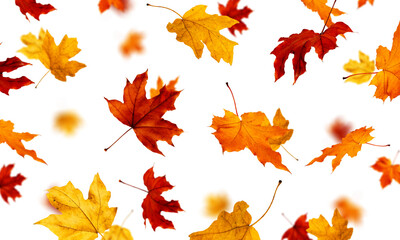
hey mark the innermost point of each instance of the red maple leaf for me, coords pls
(8, 183)
(231, 11)
(299, 230)
(300, 43)
(154, 203)
(9, 65)
(33, 8)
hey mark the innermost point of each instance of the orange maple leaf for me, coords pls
(13, 139)
(323, 10)
(389, 171)
(132, 44)
(121, 5)
(144, 115)
(170, 86)
(348, 209)
(363, 2)
(351, 145)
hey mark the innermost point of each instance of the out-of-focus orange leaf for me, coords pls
(348, 209)
(6, 83)
(121, 5)
(13, 139)
(339, 129)
(232, 11)
(388, 170)
(132, 44)
(322, 9)
(33, 8)
(363, 2)
(170, 86)
(299, 230)
(216, 203)
(8, 183)
(321, 228)
(67, 122)
(351, 145)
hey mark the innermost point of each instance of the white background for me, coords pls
(196, 165)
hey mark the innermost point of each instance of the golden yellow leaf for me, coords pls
(280, 121)
(55, 58)
(216, 203)
(321, 228)
(118, 233)
(364, 66)
(67, 122)
(230, 226)
(80, 219)
(196, 28)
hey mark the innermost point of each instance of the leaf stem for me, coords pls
(289, 153)
(42, 79)
(357, 74)
(106, 149)
(377, 145)
(126, 218)
(330, 12)
(150, 5)
(276, 189)
(133, 186)
(234, 101)
(395, 157)
(287, 219)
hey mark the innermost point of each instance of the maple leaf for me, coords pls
(154, 203)
(365, 65)
(6, 83)
(53, 57)
(13, 139)
(253, 131)
(144, 115)
(348, 209)
(118, 233)
(33, 8)
(351, 145)
(300, 43)
(363, 2)
(323, 10)
(132, 44)
(216, 203)
(299, 230)
(321, 228)
(339, 129)
(121, 5)
(8, 183)
(389, 171)
(232, 11)
(280, 121)
(67, 122)
(81, 218)
(170, 86)
(387, 81)
(196, 28)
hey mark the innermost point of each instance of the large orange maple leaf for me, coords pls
(144, 115)
(389, 171)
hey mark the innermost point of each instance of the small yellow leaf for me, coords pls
(364, 66)
(216, 203)
(280, 121)
(67, 122)
(118, 233)
(321, 228)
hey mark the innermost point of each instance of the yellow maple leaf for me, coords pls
(280, 121)
(55, 58)
(321, 228)
(80, 219)
(364, 66)
(67, 122)
(216, 203)
(322, 9)
(118, 233)
(196, 28)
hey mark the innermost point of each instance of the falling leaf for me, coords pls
(351, 145)
(154, 203)
(280, 121)
(13, 139)
(132, 44)
(387, 81)
(8, 183)
(339, 129)
(322, 9)
(171, 86)
(299, 230)
(121, 5)
(388, 170)
(300, 44)
(216, 203)
(118, 233)
(144, 115)
(232, 226)
(363, 2)
(253, 130)
(6, 83)
(67, 122)
(321, 228)
(364, 66)
(33, 8)
(81, 218)
(348, 209)
(196, 28)
(53, 57)
(232, 11)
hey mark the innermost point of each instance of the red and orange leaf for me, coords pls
(299, 230)
(300, 44)
(232, 11)
(387, 81)
(363, 2)
(121, 5)
(322, 9)
(348, 209)
(389, 171)
(170, 86)
(9, 65)
(339, 129)
(251, 131)
(351, 145)
(33, 8)
(132, 44)
(154, 203)
(8, 183)
(144, 115)
(13, 139)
